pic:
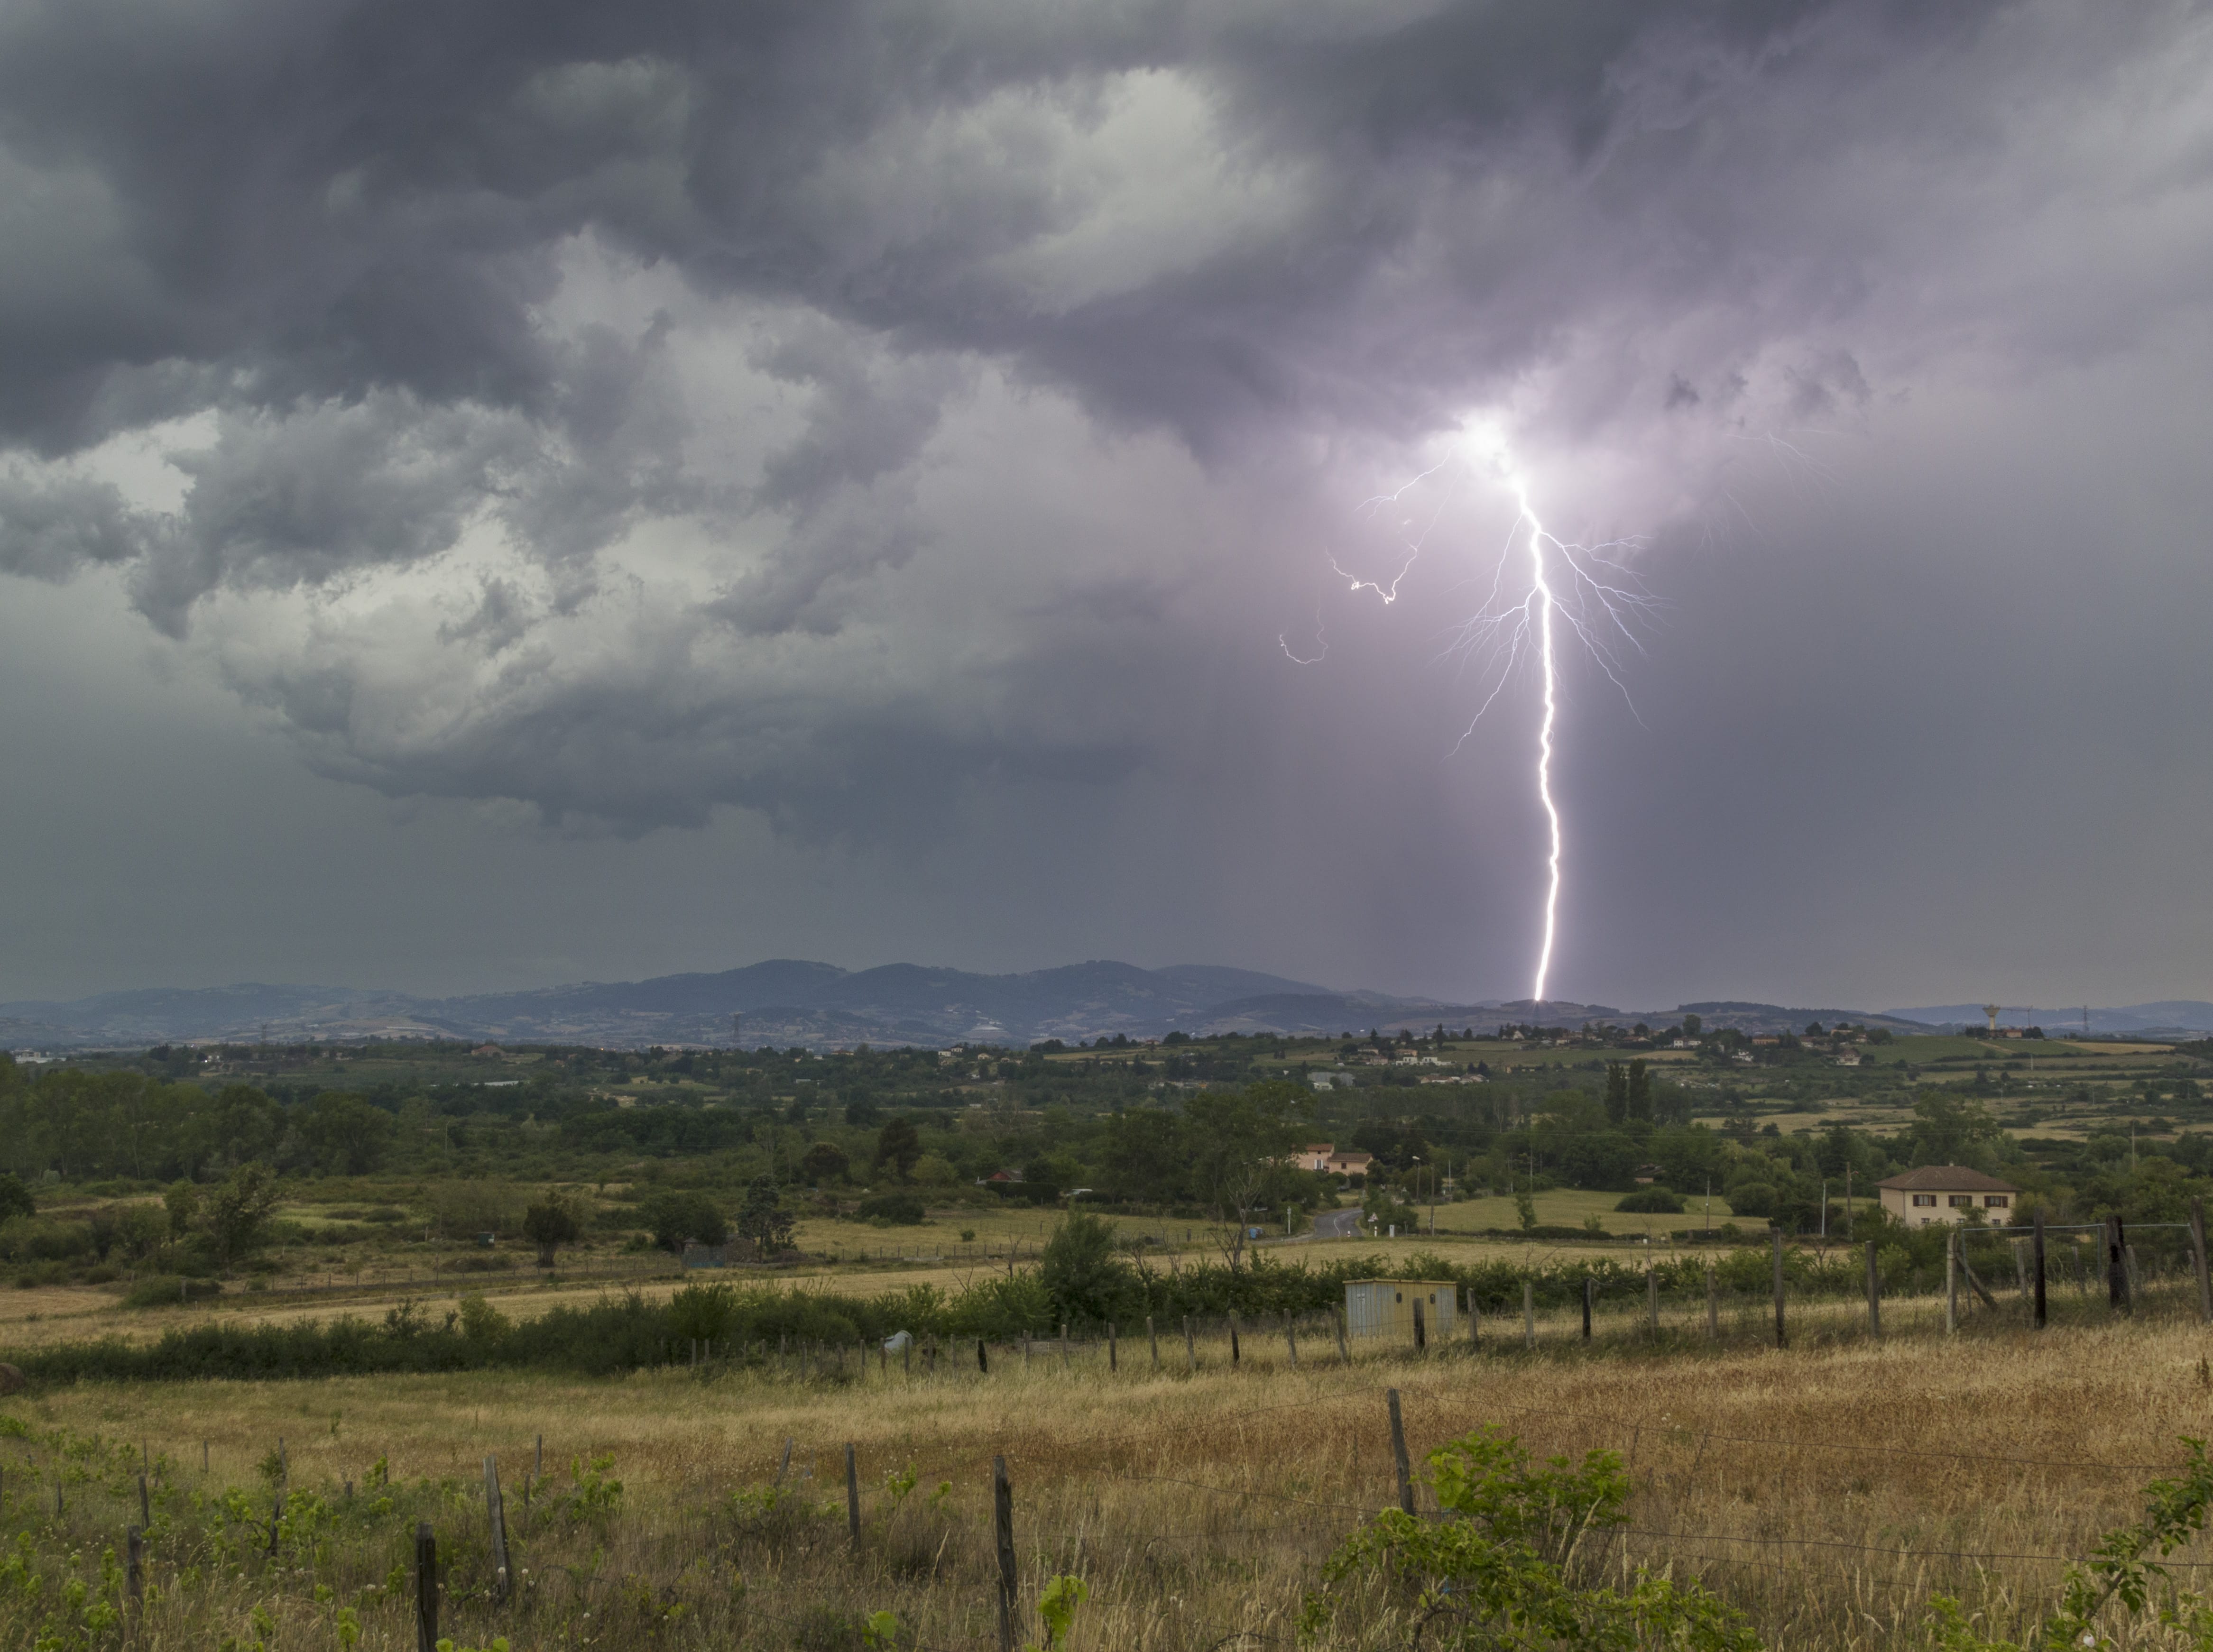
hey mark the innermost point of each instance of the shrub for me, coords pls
(1654, 1201)
(1753, 1199)
(704, 1311)
(893, 1210)
(481, 1322)
(1080, 1270)
(674, 1217)
(1504, 1562)
(549, 1224)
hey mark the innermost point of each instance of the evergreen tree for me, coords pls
(1639, 1098)
(1617, 1092)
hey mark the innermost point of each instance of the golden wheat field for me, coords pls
(1828, 1491)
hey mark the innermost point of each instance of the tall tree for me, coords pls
(898, 1144)
(1241, 1143)
(1639, 1099)
(236, 1212)
(764, 1220)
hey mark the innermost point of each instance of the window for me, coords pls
(1996, 1202)
(1962, 1201)
(1924, 1199)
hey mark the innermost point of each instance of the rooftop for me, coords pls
(1946, 1179)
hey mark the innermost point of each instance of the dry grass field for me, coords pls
(1828, 1491)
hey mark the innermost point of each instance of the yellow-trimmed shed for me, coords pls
(1387, 1307)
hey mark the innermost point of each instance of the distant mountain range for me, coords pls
(787, 1002)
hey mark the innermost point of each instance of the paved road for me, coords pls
(1336, 1224)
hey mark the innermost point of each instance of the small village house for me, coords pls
(1947, 1192)
(1323, 1157)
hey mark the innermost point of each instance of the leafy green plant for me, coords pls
(2124, 1574)
(1501, 1570)
(1057, 1605)
(595, 1494)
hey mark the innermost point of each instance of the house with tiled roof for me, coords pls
(1947, 1193)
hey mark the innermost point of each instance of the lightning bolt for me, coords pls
(1542, 595)
(1595, 597)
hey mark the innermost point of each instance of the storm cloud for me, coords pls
(837, 412)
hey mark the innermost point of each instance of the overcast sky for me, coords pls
(532, 491)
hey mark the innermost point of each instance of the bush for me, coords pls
(1653, 1201)
(1080, 1269)
(893, 1210)
(1753, 1199)
(675, 1217)
(167, 1290)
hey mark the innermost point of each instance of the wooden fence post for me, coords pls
(2036, 1247)
(1780, 1339)
(1873, 1293)
(1153, 1337)
(426, 1588)
(853, 1495)
(2117, 1264)
(145, 1502)
(134, 1577)
(1113, 1353)
(1528, 1314)
(1003, 1521)
(1590, 1289)
(1291, 1339)
(982, 1359)
(1952, 1282)
(2197, 1258)
(1398, 1453)
(1236, 1349)
(495, 1525)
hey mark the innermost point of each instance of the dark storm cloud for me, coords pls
(564, 398)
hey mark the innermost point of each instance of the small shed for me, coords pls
(1387, 1307)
